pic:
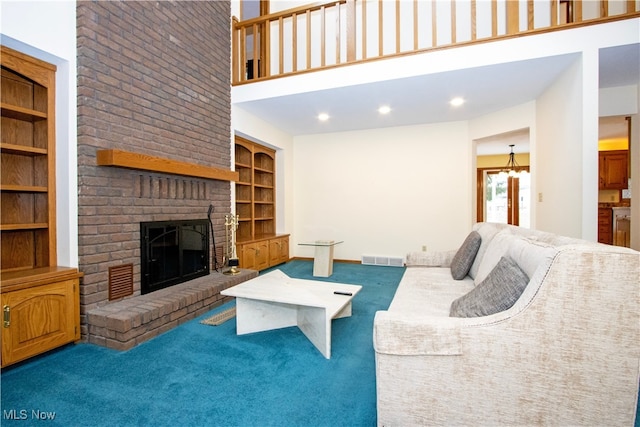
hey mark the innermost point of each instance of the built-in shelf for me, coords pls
(20, 113)
(22, 150)
(40, 300)
(23, 188)
(24, 226)
(126, 159)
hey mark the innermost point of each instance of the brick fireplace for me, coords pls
(153, 79)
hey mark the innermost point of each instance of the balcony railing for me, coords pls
(324, 35)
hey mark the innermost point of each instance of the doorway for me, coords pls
(503, 181)
(503, 198)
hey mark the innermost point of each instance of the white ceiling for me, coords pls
(425, 99)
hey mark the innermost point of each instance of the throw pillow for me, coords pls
(498, 292)
(463, 259)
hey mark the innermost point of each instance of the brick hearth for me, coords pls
(127, 323)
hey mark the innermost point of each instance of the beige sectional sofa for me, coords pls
(567, 352)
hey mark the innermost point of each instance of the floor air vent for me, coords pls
(391, 261)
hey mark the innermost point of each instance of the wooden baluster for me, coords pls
(474, 20)
(380, 30)
(513, 17)
(434, 25)
(243, 53)
(323, 35)
(415, 25)
(494, 18)
(577, 11)
(397, 26)
(294, 42)
(631, 6)
(266, 49)
(256, 55)
(364, 29)
(351, 30)
(453, 22)
(280, 46)
(234, 49)
(530, 14)
(337, 6)
(604, 8)
(308, 39)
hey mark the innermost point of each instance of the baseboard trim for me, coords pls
(344, 261)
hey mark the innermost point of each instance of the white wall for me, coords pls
(385, 191)
(559, 162)
(47, 30)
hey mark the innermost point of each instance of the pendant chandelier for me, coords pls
(513, 169)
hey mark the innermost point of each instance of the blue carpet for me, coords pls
(196, 375)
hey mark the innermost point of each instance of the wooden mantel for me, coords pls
(126, 159)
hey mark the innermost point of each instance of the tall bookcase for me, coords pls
(258, 245)
(40, 300)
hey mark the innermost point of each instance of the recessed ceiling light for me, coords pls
(457, 101)
(385, 109)
(323, 117)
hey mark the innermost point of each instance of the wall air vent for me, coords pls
(120, 281)
(391, 261)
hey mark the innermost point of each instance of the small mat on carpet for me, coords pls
(220, 318)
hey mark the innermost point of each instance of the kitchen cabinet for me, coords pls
(605, 226)
(613, 167)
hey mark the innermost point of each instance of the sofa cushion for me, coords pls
(498, 248)
(487, 232)
(497, 292)
(463, 259)
(428, 292)
(531, 254)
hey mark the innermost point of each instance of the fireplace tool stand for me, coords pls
(231, 258)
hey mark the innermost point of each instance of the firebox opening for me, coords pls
(173, 252)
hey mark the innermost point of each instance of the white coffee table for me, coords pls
(275, 300)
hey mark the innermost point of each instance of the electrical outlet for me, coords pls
(540, 197)
(424, 248)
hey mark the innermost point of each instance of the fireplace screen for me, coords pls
(173, 252)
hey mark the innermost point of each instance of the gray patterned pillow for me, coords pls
(463, 259)
(498, 292)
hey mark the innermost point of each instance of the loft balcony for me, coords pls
(327, 35)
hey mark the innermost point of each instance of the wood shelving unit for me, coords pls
(40, 300)
(257, 243)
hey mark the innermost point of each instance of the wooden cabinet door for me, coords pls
(275, 250)
(247, 255)
(613, 169)
(279, 250)
(38, 319)
(262, 255)
(605, 226)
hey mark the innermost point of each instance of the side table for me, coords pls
(323, 258)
